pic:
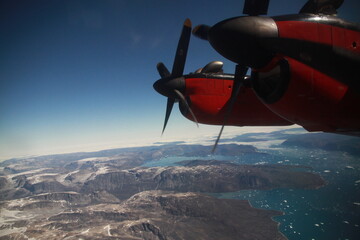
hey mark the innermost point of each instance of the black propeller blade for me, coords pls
(240, 73)
(183, 100)
(163, 71)
(171, 84)
(169, 106)
(181, 51)
(327, 7)
(256, 7)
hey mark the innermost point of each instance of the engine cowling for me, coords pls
(307, 97)
(209, 96)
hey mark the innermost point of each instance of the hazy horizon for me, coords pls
(205, 135)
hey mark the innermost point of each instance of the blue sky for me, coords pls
(77, 75)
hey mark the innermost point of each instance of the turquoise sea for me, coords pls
(331, 212)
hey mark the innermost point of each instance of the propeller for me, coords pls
(240, 72)
(171, 85)
(163, 71)
(256, 7)
(237, 40)
(327, 7)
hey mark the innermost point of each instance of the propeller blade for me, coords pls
(240, 73)
(163, 71)
(201, 31)
(181, 52)
(217, 140)
(174, 80)
(328, 7)
(256, 7)
(183, 100)
(169, 106)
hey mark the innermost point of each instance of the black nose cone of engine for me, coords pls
(241, 39)
(166, 86)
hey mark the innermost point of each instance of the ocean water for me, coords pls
(331, 212)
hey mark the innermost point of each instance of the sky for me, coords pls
(77, 75)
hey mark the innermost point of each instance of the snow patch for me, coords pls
(108, 229)
(41, 177)
(92, 159)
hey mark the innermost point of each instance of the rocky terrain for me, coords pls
(146, 215)
(104, 196)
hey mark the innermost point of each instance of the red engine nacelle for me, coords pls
(307, 97)
(208, 98)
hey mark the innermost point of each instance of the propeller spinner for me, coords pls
(172, 85)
